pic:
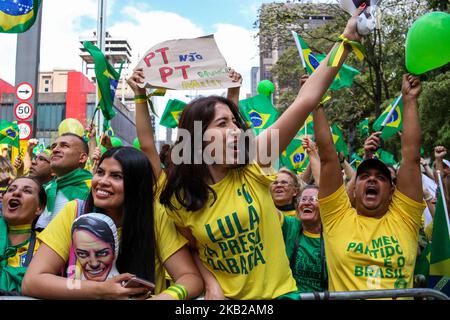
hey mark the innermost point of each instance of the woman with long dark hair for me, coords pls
(23, 202)
(123, 189)
(217, 193)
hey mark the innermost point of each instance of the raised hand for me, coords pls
(136, 78)
(371, 144)
(411, 87)
(235, 76)
(350, 31)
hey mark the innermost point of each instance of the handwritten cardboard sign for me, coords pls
(186, 64)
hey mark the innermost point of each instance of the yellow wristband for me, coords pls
(177, 291)
(140, 100)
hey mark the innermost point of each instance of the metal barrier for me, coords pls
(374, 294)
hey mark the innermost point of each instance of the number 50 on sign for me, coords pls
(23, 111)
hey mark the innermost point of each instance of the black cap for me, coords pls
(374, 163)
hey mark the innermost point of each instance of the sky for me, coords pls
(143, 23)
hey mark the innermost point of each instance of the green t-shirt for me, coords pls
(307, 267)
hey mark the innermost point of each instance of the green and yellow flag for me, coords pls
(386, 157)
(295, 157)
(395, 122)
(171, 115)
(258, 112)
(338, 139)
(440, 246)
(107, 80)
(363, 127)
(355, 160)
(343, 79)
(9, 133)
(17, 16)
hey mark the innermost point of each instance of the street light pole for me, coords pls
(101, 25)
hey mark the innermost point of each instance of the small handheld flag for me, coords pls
(9, 133)
(391, 120)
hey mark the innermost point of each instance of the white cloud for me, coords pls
(240, 49)
(65, 22)
(8, 44)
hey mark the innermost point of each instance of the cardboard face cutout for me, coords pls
(96, 246)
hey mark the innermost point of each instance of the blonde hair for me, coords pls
(298, 183)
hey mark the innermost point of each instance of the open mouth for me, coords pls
(13, 204)
(307, 210)
(371, 192)
(96, 272)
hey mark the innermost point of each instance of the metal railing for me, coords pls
(375, 294)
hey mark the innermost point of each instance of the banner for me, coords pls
(186, 64)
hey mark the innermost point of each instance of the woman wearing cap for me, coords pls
(123, 189)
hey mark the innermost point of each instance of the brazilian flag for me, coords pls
(363, 127)
(386, 157)
(107, 81)
(9, 133)
(338, 139)
(258, 112)
(295, 156)
(355, 160)
(171, 115)
(306, 129)
(17, 16)
(395, 122)
(440, 247)
(343, 79)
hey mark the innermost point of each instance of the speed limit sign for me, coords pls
(24, 130)
(23, 111)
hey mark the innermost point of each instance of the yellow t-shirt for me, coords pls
(19, 259)
(239, 237)
(57, 236)
(365, 253)
(290, 213)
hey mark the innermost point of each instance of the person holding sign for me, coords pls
(222, 205)
(122, 189)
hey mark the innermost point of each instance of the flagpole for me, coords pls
(391, 112)
(299, 48)
(101, 24)
(353, 161)
(443, 200)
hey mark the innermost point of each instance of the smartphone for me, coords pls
(136, 282)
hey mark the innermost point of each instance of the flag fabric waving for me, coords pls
(440, 246)
(386, 157)
(107, 80)
(343, 79)
(17, 16)
(258, 112)
(363, 127)
(338, 139)
(9, 133)
(171, 115)
(295, 156)
(395, 122)
(355, 160)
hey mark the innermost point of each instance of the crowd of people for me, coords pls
(79, 224)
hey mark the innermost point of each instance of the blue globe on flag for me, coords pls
(298, 157)
(256, 119)
(313, 61)
(393, 117)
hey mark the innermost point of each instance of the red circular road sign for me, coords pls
(25, 130)
(23, 111)
(24, 91)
